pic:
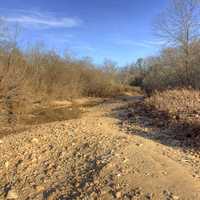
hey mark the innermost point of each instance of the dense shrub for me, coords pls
(180, 102)
(168, 71)
(37, 76)
(178, 109)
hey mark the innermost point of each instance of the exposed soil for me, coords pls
(107, 153)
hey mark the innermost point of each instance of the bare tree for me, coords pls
(3, 31)
(12, 70)
(179, 25)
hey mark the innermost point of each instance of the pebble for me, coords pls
(149, 196)
(54, 162)
(164, 173)
(12, 194)
(35, 140)
(39, 188)
(7, 164)
(175, 197)
(170, 195)
(118, 195)
(125, 160)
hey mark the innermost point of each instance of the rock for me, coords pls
(139, 145)
(118, 195)
(35, 140)
(7, 164)
(149, 196)
(1, 141)
(39, 188)
(12, 194)
(175, 197)
(146, 129)
(164, 173)
(170, 195)
(125, 160)
(147, 174)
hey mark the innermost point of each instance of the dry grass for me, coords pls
(178, 109)
(35, 76)
(182, 103)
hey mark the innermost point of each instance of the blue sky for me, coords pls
(117, 29)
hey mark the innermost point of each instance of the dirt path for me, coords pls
(93, 158)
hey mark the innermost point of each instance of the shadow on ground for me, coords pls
(40, 116)
(47, 115)
(138, 119)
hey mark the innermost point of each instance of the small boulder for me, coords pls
(118, 195)
(12, 194)
(35, 140)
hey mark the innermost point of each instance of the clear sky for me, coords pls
(116, 29)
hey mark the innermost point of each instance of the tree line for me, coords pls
(178, 64)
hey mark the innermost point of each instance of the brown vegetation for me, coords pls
(171, 79)
(180, 102)
(178, 63)
(42, 76)
(177, 109)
